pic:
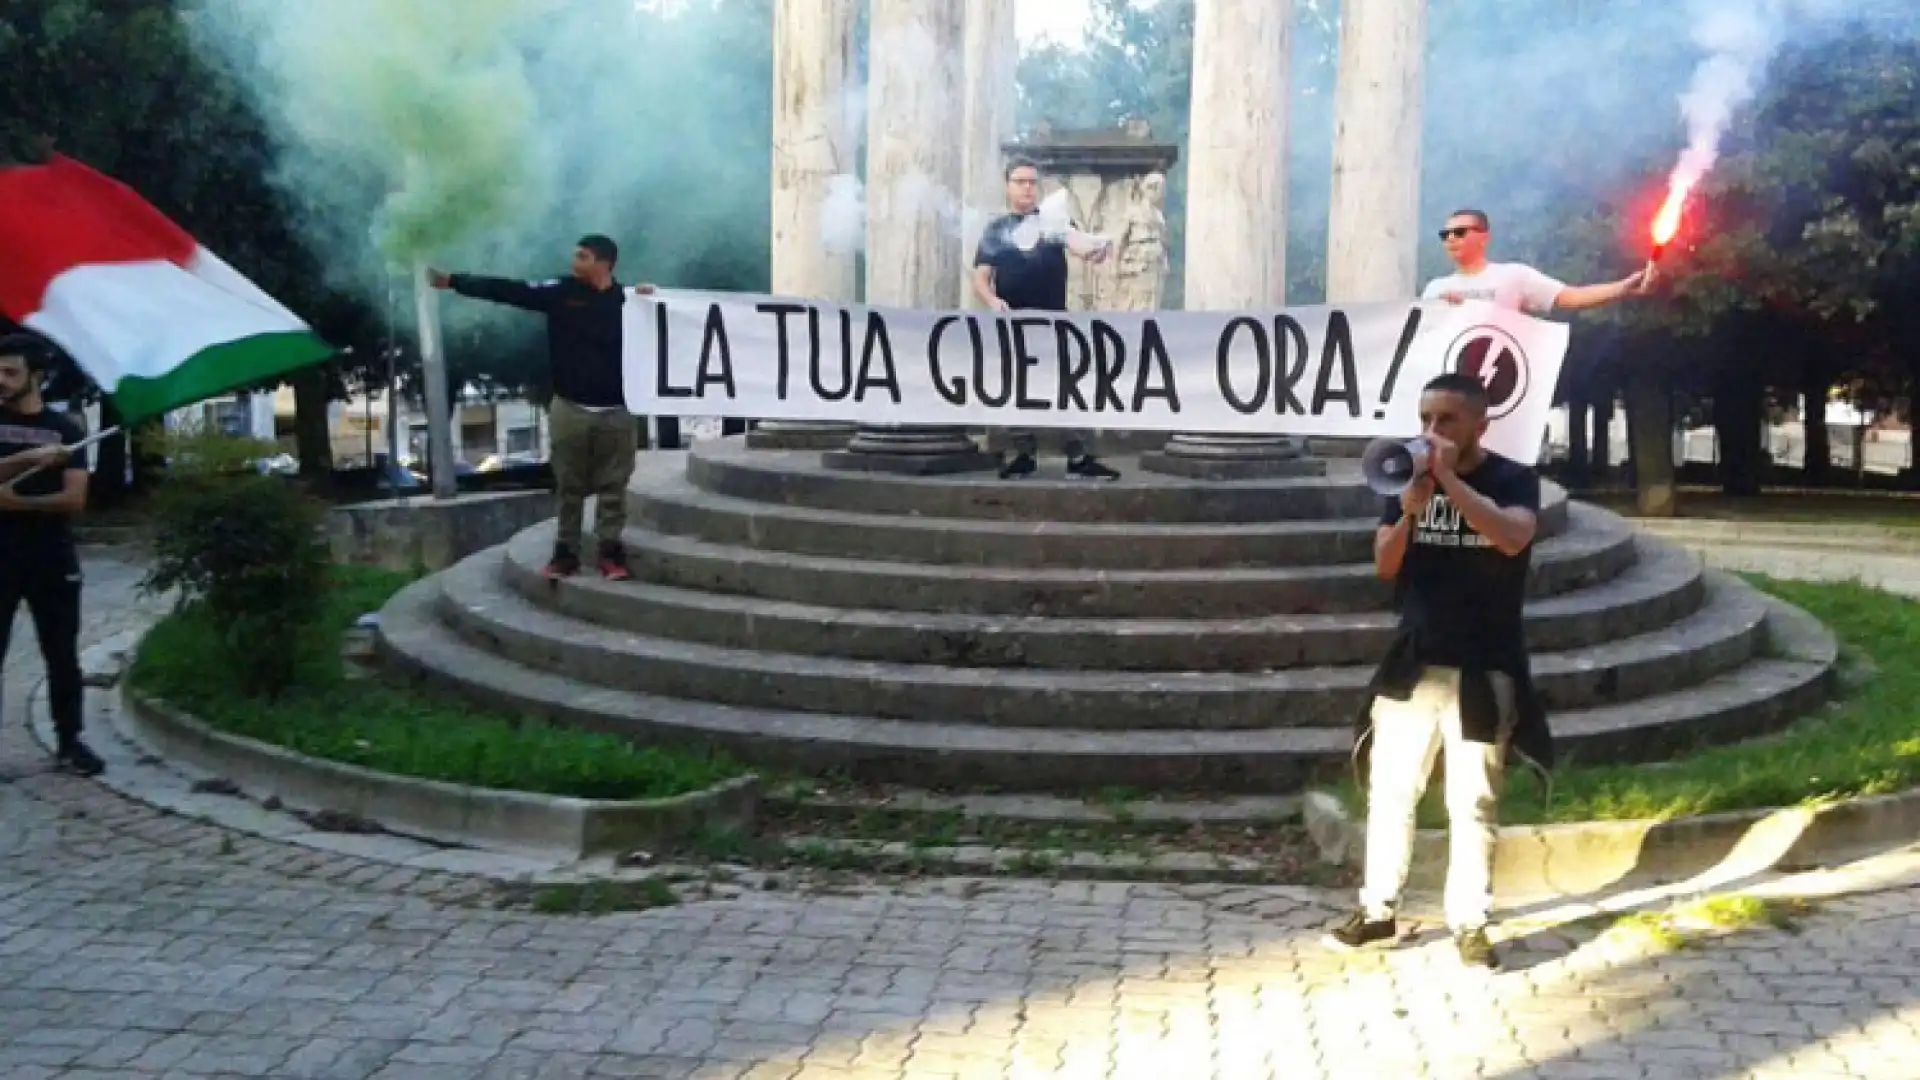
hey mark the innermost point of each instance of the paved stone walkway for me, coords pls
(135, 945)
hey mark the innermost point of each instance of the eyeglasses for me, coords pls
(1460, 233)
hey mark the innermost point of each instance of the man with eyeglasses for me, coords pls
(1008, 277)
(1514, 286)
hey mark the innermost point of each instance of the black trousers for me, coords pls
(51, 590)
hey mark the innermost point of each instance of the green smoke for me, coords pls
(488, 135)
(424, 104)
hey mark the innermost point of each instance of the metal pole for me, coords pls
(433, 364)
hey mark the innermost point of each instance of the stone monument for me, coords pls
(1166, 633)
(1138, 274)
(1103, 173)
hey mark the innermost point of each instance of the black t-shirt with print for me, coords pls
(1032, 280)
(1459, 595)
(34, 534)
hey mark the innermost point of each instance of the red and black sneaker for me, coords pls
(563, 564)
(613, 564)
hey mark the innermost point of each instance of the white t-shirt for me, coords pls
(1514, 286)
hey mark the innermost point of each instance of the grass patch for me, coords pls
(1680, 927)
(1866, 744)
(1794, 509)
(594, 897)
(358, 721)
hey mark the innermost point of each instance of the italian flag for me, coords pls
(156, 320)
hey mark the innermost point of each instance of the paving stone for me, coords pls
(132, 947)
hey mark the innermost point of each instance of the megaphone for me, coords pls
(1390, 466)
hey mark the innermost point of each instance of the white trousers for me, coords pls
(1407, 738)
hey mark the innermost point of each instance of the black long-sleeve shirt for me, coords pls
(583, 331)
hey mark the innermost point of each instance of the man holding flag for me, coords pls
(157, 321)
(44, 487)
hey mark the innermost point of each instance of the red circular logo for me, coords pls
(1492, 356)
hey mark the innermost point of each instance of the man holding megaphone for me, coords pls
(1456, 538)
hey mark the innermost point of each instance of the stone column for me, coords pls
(992, 60)
(1373, 236)
(1236, 208)
(914, 113)
(814, 140)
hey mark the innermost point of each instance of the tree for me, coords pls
(114, 83)
(1800, 261)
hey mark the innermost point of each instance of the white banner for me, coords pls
(1350, 371)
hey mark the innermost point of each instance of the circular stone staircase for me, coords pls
(1156, 633)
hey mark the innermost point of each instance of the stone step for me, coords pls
(797, 478)
(1597, 546)
(478, 605)
(1662, 584)
(672, 505)
(1758, 697)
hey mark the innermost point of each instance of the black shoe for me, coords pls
(1089, 468)
(1475, 949)
(1021, 465)
(1359, 932)
(563, 564)
(74, 757)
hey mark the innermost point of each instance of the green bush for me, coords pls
(247, 551)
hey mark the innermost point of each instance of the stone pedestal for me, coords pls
(1233, 457)
(1374, 224)
(814, 140)
(916, 451)
(430, 533)
(914, 108)
(1236, 206)
(799, 435)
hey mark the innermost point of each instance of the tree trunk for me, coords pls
(1601, 437)
(1650, 419)
(1578, 473)
(1738, 409)
(313, 442)
(1817, 464)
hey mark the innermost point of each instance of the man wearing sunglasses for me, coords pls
(1514, 286)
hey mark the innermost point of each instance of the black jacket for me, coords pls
(1531, 739)
(583, 331)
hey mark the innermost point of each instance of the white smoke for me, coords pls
(843, 216)
(1739, 38)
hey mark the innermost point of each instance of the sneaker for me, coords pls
(1475, 949)
(74, 757)
(563, 564)
(1021, 465)
(1359, 932)
(1088, 468)
(613, 564)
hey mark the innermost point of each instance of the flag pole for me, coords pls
(7, 485)
(433, 365)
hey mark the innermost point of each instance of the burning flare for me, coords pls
(1666, 224)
